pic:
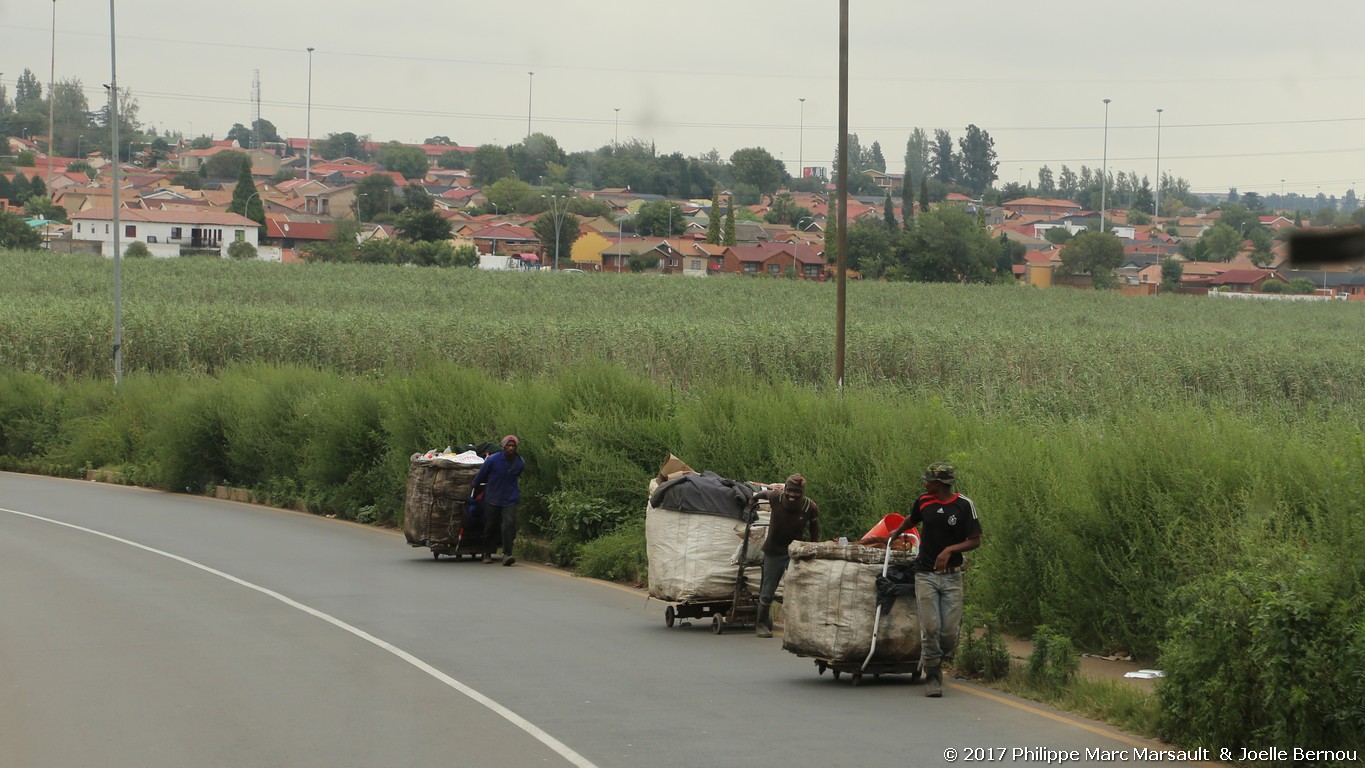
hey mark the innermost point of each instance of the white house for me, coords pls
(164, 232)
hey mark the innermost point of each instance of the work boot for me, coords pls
(508, 560)
(763, 624)
(933, 681)
(487, 559)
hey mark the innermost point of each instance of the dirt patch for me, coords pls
(1093, 667)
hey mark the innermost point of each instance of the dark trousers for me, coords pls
(499, 521)
(773, 568)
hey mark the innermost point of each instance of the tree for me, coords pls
(945, 165)
(454, 159)
(245, 199)
(1046, 186)
(411, 162)
(1222, 243)
(507, 194)
(1057, 235)
(907, 201)
(489, 164)
(713, 231)
(923, 194)
(729, 236)
(17, 234)
(374, 195)
(1142, 198)
(917, 154)
(226, 164)
(1096, 253)
(531, 158)
(976, 161)
(782, 210)
(871, 250)
(241, 250)
(659, 218)
(1300, 285)
(1067, 184)
(41, 206)
(949, 245)
(876, 160)
(465, 256)
(242, 135)
(441, 141)
(756, 166)
(1253, 201)
(567, 232)
(889, 212)
(345, 144)
(1171, 272)
(423, 226)
(416, 198)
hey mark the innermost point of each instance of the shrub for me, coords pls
(136, 250)
(982, 652)
(241, 250)
(1054, 662)
(576, 519)
(618, 556)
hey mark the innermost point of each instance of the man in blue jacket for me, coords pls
(501, 471)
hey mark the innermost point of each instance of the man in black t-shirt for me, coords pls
(949, 528)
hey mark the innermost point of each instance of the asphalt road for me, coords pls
(139, 628)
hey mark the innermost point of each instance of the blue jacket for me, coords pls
(502, 479)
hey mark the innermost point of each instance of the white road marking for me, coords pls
(512, 717)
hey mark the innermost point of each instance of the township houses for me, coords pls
(164, 233)
(1035, 205)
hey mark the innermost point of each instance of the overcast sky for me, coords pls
(1251, 96)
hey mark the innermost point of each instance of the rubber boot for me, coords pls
(933, 681)
(763, 624)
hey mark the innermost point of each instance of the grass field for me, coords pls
(1177, 477)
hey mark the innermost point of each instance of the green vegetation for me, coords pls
(1175, 477)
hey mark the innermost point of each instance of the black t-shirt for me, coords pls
(943, 524)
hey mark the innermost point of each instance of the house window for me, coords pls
(239, 235)
(177, 233)
(326, 206)
(151, 238)
(78, 226)
(672, 262)
(130, 230)
(774, 269)
(694, 265)
(750, 268)
(106, 229)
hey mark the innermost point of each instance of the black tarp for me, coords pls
(705, 494)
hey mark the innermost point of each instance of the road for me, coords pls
(141, 628)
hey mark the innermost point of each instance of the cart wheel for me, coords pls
(820, 667)
(435, 555)
(670, 616)
(857, 678)
(458, 556)
(836, 673)
(717, 624)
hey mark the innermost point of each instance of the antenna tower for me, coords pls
(256, 109)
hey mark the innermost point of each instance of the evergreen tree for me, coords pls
(945, 165)
(713, 233)
(917, 154)
(907, 200)
(890, 213)
(876, 160)
(924, 195)
(1046, 186)
(729, 223)
(245, 199)
(976, 161)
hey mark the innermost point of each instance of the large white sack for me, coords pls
(831, 603)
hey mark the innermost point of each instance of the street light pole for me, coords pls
(1104, 169)
(79, 139)
(530, 81)
(801, 142)
(52, 99)
(1156, 205)
(308, 146)
(616, 135)
(118, 257)
(558, 217)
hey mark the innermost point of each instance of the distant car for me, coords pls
(572, 271)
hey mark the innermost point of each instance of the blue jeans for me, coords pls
(939, 599)
(773, 568)
(499, 519)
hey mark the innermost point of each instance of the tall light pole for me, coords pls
(308, 146)
(530, 81)
(1104, 169)
(616, 135)
(558, 217)
(801, 142)
(79, 139)
(52, 99)
(118, 257)
(1156, 204)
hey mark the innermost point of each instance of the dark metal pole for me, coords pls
(842, 224)
(118, 263)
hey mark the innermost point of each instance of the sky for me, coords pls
(1252, 96)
